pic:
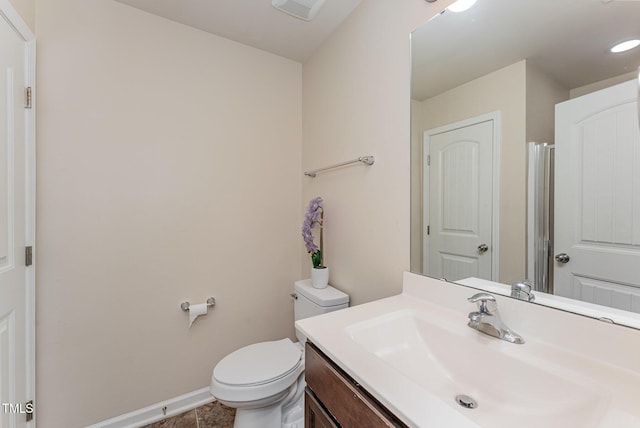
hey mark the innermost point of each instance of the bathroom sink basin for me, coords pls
(513, 385)
(415, 354)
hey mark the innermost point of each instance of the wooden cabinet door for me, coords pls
(347, 402)
(314, 415)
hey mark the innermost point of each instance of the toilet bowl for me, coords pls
(265, 381)
(258, 380)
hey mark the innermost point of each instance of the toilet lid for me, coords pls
(259, 363)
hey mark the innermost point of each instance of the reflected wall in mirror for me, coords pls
(513, 98)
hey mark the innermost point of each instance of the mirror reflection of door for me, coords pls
(458, 177)
(597, 187)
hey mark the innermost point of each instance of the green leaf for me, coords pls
(316, 259)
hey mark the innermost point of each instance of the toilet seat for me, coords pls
(257, 371)
(258, 363)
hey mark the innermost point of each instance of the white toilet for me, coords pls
(265, 381)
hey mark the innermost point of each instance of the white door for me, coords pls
(16, 309)
(459, 237)
(597, 198)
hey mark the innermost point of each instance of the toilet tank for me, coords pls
(312, 301)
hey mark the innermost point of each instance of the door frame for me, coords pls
(495, 179)
(9, 13)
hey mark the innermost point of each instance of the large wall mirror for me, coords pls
(525, 149)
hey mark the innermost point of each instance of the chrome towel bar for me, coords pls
(368, 160)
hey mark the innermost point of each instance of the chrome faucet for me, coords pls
(522, 290)
(487, 319)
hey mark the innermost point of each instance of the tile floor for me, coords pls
(212, 415)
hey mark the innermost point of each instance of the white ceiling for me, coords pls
(254, 22)
(569, 40)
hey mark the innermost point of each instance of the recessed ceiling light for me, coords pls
(625, 46)
(461, 5)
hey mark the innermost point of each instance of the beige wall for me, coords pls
(596, 86)
(27, 10)
(356, 102)
(504, 91)
(168, 169)
(543, 94)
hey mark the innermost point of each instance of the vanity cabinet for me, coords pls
(333, 399)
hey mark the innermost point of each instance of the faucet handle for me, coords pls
(487, 303)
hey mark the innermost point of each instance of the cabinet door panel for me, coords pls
(345, 400)
(314, 415)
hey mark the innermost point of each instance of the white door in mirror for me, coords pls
(460, 199)
(597, 198)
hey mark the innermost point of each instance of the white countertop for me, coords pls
(417, 406)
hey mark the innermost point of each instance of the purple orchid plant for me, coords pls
(313, 217)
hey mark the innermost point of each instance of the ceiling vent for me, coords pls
(303, 9)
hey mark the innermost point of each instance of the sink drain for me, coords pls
(466, 401)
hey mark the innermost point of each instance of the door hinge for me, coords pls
(28, 256)
(29, 410)
(27, 97)
(428, 230)
(428, 160)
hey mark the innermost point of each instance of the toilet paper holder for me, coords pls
(211, 301)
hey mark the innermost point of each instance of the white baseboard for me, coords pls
(155, 412)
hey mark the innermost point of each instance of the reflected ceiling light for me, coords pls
(461, 5)
(625, 46)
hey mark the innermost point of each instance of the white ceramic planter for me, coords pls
(320, 277)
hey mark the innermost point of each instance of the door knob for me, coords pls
(482, 248)
(562, 258)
